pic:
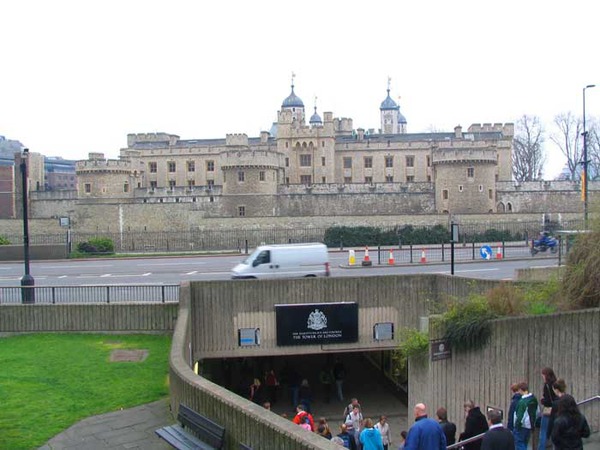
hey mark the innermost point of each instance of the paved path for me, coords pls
(127, 429)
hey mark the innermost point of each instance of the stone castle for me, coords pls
(323, 168)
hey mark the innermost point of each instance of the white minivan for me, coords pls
(284, 261)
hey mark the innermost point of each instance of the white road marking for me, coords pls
(76, 267)
(63, 276)
(105, 275)
(174, 264)
(192, 273)
(146, 274)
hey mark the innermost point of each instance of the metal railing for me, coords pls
(461, 444)
(163, 293)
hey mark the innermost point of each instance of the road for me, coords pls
(173, 270)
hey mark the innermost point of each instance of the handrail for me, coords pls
(480, 436)
(587, 400)
(459, 444)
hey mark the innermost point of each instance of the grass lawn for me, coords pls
(48, 382)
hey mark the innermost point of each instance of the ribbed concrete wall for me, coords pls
(519, 349)
(95, 317)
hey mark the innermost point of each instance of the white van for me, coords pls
(285, 261)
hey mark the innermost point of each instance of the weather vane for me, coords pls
(293, 76)
(389, 83)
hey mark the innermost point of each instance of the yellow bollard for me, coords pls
(351, 258)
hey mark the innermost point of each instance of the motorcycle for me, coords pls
(546, 242)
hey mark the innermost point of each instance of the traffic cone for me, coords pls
(499, 253)
(423, 257)
(351, 258)
(366, 260)
(391, 260)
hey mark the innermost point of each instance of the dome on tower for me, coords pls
(401, 118)
(388, 103)
(315, 119)
(292, 101)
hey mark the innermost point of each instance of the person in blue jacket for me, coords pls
(426, 433)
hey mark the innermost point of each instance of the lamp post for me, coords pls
(27, 282)
(585, 161)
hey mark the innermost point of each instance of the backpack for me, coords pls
(346, 438)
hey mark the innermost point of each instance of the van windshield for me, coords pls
(249, 259)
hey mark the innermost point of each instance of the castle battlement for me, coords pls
(250, 158)
(104, 165)
(135, 138)
(236, 139)
(507, 129)
(458, 156)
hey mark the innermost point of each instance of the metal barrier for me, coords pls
(163, 293)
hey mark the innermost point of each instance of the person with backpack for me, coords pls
(570, 426)
(301, 417)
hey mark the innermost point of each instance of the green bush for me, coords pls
(467, 324)
(4, 241)
(96, 245)
(372, 236)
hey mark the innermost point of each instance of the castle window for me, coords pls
(191, 183)
(389, 178)
(261, 175)
(470, 172)
(287, 162)
(347, 163)
(428, 161)
(172, 166)
(126, 187)
(305, 179)
(241, 211)
(445, 194)
(210, 183)
(410, 178)
(152, 167)
(323, 180)
(410, 161)
(287, 180)
(429, 178)
(491, 194)
(305, 160)
(153, 185)
(322, 160)
(481, 188)
(171, 184)
(304, 145)
(460, 188)
(368, 162)
(191, 166)
(369, 180)
(87, 188)
(241, 176)
(286, 145)
(347, 179)
(323, 144)
(389, 161)
(210, 166)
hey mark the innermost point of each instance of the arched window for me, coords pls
(501, 207)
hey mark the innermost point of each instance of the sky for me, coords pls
(78, 76)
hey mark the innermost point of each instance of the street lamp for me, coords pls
(27, 282)
(585, 161)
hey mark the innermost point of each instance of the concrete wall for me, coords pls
(83, 318)
(518, 350)
(36, 252)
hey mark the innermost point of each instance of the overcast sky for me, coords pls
(78, 76)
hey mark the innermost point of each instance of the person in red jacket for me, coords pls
(301, 415)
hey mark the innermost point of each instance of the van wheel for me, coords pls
(310, 276)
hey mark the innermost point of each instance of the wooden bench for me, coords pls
(207, 435)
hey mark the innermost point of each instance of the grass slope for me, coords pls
(48, 382)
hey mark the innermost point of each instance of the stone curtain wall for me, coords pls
(518, 350)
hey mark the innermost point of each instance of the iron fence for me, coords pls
(240, 240)
(167, 293)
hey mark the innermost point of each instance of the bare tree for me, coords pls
(567, 138)
(593, 146)
(528, 153)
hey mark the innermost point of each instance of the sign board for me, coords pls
(440, 349)
(248, 337)
(64, 221)
(454, 232)
(383, 331)
(316, 323)
(486, 252)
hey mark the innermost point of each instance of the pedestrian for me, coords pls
(510, 423)
(384, 429)
(272, 385)
(353, 402)
(306, 424)
(305, 394)
(323, 428)
(524, 419)
(347, 437)
(475, 424)
(403, 435)
(497, 437)
(302, 415)
(326, 380)
(267, 405)
(257, 392)
(548, 396)
(339, 373)
(569, 426)
(354, 424)
(559, 388)
(370, 438)
(448, 428)
(426, 433)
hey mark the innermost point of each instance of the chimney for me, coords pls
(458, 132)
